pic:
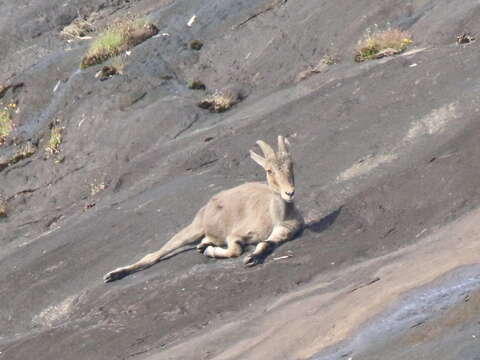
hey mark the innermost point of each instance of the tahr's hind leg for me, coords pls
(189, 234)
(234, 248)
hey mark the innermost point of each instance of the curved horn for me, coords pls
(282, 145)
(267, 149)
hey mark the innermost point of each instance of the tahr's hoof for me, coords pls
(115, 275)
(201, 247)
(251, 260)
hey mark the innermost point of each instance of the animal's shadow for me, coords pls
(320, 225)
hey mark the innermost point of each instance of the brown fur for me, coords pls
(252, 213)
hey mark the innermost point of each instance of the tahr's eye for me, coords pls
(269, 171)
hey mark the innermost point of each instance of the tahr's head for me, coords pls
(279, 168)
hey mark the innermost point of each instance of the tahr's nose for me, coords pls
(290, 194)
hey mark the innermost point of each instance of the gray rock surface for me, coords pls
(386, 154)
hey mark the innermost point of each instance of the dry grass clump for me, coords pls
(6, 124)
(114, 67)
(20, 152)
(119, 37)
(196, 45)
(196, 84)
(56, 136)
(465, 38)
(219, 101)
(106, 72)
(305, 74)
(328, 59)
(78, 29)
(377, 44)
(119, 63)
(3, 208)
(24, 151)
(95, 187)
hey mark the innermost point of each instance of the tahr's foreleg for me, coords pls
(278, 235)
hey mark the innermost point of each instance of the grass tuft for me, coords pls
(6, 124)
(118, 38)
(328, 59)
(465, 38)
(56, 137)
(195, 84)
(219, 102)
(108, 43)
(19, 153)
(24, 151)
(3, 208)
(95, 187)
(78, 29)
(377, 44)
(196, 45)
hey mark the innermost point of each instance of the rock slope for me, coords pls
(387, 174)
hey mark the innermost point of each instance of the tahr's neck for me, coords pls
(283, 207)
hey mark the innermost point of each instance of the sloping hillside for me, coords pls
(387, 173)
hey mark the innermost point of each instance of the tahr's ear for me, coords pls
(258, 159)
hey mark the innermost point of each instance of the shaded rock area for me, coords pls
(387, 176)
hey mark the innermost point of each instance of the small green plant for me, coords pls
(56, 136)
(380, 43)
(6, 124)
(117, 38)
